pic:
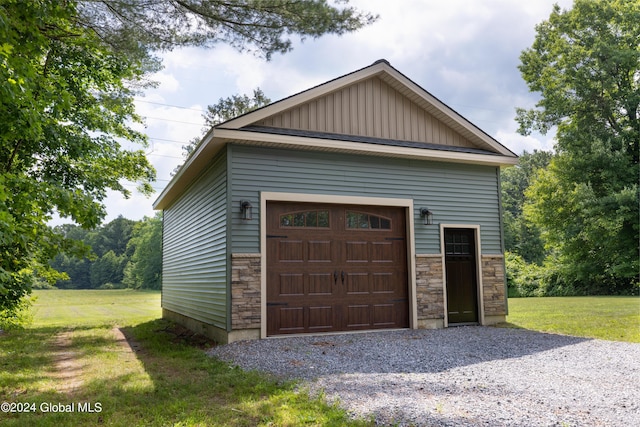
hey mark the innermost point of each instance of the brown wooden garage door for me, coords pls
(335, 268)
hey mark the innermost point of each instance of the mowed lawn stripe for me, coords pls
(67, 308)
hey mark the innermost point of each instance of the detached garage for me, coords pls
(363, 203)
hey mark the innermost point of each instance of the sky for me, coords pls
(464, 52)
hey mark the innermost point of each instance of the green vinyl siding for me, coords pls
(194, 269)
(455, 193)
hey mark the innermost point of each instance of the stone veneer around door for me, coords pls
(429, 291)
(245, 295)
(493, 289)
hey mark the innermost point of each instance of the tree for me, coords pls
(585, 62)
(261, 26)
(521, 236)
(234, 106)
(76, 269)
(113, 236)
(145, 266)
(68, 74)
(107, 254)
(108, 269)
(66, 102)
(226, 109)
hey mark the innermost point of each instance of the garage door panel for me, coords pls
(356, 251)
(321, 284)
(357, 284)
(290, 319)
(358, 316)
(383, 252)
(383, 283)
(320, 251)
(290, 251)
(291, 285)
(321, 318)
(383, 315)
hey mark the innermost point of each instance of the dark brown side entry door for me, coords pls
(462, 285)
(335, 268)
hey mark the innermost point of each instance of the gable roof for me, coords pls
(373, 111)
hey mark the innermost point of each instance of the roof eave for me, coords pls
(332, 145)
(189, 170)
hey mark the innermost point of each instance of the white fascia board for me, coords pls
(287, 141)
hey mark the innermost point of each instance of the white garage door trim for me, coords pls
(267, 196)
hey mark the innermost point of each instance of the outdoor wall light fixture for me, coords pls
(245, 209)
(427, 216)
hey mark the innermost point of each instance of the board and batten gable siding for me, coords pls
(370, 108)
(194, 261)
(455, 193)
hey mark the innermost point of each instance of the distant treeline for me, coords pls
(125, 254)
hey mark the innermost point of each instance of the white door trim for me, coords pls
(268, 196)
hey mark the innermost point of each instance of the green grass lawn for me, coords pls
(607, 318)
(82, 308)
(166, 381)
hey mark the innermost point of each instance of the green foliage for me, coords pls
(145, 266)
(66, 103)
(594, 233)
(109, 268)
(521, 236)
(533, 280)
(234, 106)
(123, 253)
(113, 236)
(19, 316)
(226, 109)
(521, 280)
(585, 63)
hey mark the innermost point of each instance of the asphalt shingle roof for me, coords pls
(365, 140)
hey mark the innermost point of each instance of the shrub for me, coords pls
(524, 279)
(19, 317)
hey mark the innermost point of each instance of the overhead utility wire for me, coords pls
(170, 105)
(174, 121)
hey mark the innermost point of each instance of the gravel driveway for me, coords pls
(464, 376)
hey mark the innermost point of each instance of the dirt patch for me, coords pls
(67, 369)
(181, 335)
(125, 344)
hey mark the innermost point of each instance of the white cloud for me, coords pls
(519, 143)
(166, 81)
(463, 52)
